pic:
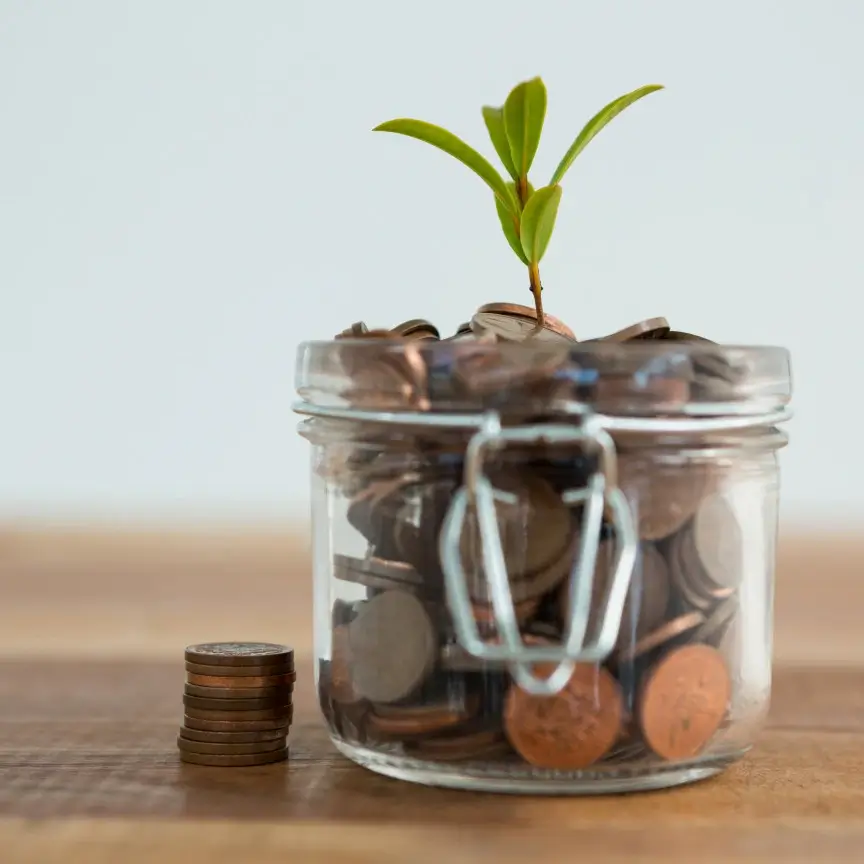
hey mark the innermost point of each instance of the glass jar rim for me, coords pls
(636, 379)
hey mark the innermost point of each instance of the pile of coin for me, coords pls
(396, 680)
(237, 703)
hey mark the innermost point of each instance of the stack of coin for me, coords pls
(238, 703)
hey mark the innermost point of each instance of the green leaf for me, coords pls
(538, 220)
(596, 123)
(456, 147)
(494, 119)
(524, 112)
(510, 226)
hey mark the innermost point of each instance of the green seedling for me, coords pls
(527, 215)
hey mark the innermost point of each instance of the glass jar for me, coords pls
(543, 567)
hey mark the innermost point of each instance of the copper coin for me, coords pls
(670, 630)
(681, 336)
(683, 701)
(663, 496)
(471, 743)
(233, 737)
(719, 541)
(510, 328)
(240, 654)
(375, 572)
(664, 394)
(570, 730)
(279, 695)
(249, 682)
(393, 646)
(214, 704)
(650, 328)
(341, 680)
(280, 713)
(416, 327)
(202, 724)
(192, 746)
(240, 671)
(239, 761)
(529, 312)
(484, 613)
(414, 722)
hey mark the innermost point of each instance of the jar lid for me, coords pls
(539, 378)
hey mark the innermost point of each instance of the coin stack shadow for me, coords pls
(238, 704)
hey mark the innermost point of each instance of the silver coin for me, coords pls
(718, 623)
(512, 328)
(719, 541)
(685, 570)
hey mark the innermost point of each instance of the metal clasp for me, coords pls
(601, 489)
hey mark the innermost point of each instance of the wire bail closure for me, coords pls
(593, 433)
(601, 490)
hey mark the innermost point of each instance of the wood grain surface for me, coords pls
(92, 630)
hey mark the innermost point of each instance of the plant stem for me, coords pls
(536, 289)
(533, 269)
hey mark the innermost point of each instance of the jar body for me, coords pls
(683, 692)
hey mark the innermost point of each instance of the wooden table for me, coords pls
(92, 629)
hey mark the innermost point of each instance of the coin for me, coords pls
(341, 663)
(264, 683)
(617, 393)
(393, 646)
(355, 331)
(683, 701)
(686, 571)
(240, 654)
(663, 496)
(529, 312)
(717, 624)
(204, 703)
(455, 658)
(668, 631)
(650, 328)
(273, 670)
(719, 541)
(190, 745)
(376, 572)
(535, 530)
(456, 746)
(280, 695)
(271, 724)
(570, 730)
(421, 720)
(279, 713)
(647, 597)
(234, 737)
(681, 336)
(240, 761)
(483, 373)
(417, 328)
(511, 328)
(484, 613)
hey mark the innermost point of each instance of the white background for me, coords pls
(189, 189)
